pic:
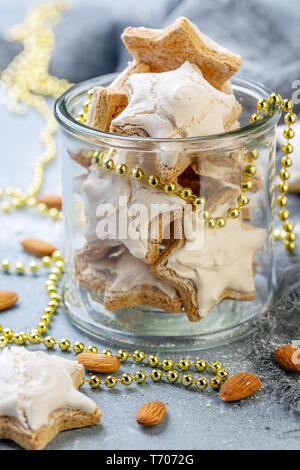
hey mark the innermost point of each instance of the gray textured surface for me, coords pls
(195, 420)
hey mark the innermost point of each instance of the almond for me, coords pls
(51, 201)
(7, 299)
(239, 386)
(151, 413)
(99, 362)
(288, 357)
(38, 247)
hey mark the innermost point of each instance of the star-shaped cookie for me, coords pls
(219, 267)
(167, 49)
(39, 397)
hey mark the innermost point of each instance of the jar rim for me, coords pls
(69, 123)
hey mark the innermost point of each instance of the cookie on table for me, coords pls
(125, 281)
(167, 49)
(205, 274)
(39, 397)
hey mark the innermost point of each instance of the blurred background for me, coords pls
(263, 32)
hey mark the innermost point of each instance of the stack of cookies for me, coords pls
(177, 86)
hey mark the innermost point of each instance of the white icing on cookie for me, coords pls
(33, 384)
(179, 103)
(223, 261)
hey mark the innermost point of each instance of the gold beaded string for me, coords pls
(27, 83)
(34, 337)
(99, 159)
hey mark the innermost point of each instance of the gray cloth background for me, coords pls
(265, 33)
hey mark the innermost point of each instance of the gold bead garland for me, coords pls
(27, 82)
(161, 369)
(267, 105)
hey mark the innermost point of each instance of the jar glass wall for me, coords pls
(124, 278)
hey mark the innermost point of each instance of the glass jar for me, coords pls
(121, 287)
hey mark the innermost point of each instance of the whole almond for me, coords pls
(288, 357)
(151, 413)
(239, 386)
(38, 247)
(99, 362)
(7, 299)
(51, 201)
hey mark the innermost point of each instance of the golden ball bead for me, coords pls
(184, 364)
(46, 261)
(220, 222)
(56, 271)
(153, 181)
(34, 266)
(249, 170)
(140, 376)
(255, 117)
(286, 162)
(284, 174)
(275, 99)
(138, 355)
(122, 355)
(290, 246)
(5, 265)
(78, 347)
(199, 201)
(52, 305)
(6, 207)
(42, 327)
(108, 165)
(42, 208)
(90, 93)
(3, 342)
(20, 268)
(262, 105)
(283, 187)
(187, 380)
(290, 237)
(97, 159)
(107, 352)
(64, 344)
(57, 255)
(126, 379)
(110, 381)
(8, 333)
(55, 296)
(49, 342)
(94, 381)
(243, 200)
(290, 118)
(167, 364)
(153, 360)
(252, 154)
(223, 374)
(287, 105)
(283, 214)
(91, 349)
(216, 366)
(287, 149)
(34, 337)
(289, 133)
(170, 188)
(86, 105)
(19, 338)
(137, 174)
(46, 318)
(200, 365)
(247, 185)
(172, 376)
(215, 383)
(211, 222)
(233, 213)
(206, 215)
(121, 169)
(282, 201)
(186, 193)
(201, 383)
(156, 375)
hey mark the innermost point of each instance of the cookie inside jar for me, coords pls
(175, 188)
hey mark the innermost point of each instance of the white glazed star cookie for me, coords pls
(39, 397)
(220, 268)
